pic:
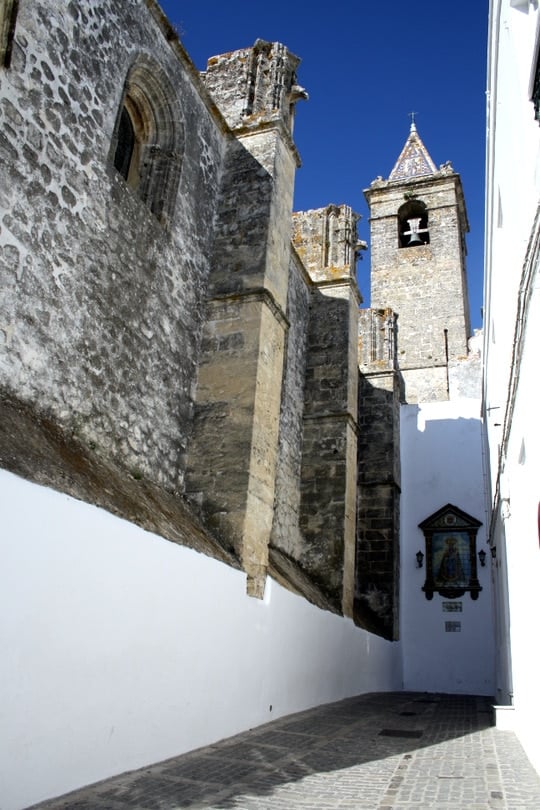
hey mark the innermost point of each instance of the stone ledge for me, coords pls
(290, 575)
(37, 448)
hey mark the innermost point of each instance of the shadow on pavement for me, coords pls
(358, 744)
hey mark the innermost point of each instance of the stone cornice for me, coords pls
(334, 416)
(255, 125)
(247, 297)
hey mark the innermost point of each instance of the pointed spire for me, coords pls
(414, 160)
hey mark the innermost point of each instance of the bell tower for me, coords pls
(418, 227)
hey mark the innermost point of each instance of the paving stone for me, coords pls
(335, 758)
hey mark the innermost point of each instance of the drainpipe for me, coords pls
(446, 355)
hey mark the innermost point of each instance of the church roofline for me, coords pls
(444, 172)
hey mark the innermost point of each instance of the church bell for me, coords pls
(413, 232)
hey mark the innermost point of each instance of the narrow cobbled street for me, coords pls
(395, 751)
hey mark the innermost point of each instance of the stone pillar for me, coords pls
(376, 601)
(233, 452)
(326, 242)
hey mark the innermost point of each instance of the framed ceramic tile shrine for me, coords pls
(451, 566)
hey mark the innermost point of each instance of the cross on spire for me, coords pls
(413, 125)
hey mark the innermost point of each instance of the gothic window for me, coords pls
(125, 158)
(148, 139)
(8, 14)
(413, 224)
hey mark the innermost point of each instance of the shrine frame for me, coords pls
(451, 561)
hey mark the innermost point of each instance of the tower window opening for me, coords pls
(413, 224)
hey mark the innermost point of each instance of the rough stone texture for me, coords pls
(326, 241)
(412, 348)
(255, 85)
(233, 460)
(148, 323)
(165, 351)
(26, 439)
(424, 285)
(101, 303)
(376, 605)
(286, 534)
(221, 443)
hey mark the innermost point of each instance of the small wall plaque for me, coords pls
(452, 607)
(452, 627)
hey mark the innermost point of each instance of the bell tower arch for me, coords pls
(418, 227)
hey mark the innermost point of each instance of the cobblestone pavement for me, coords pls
(393, 751)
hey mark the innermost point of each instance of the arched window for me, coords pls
(148, 141)
(125, 147)
(413, 224)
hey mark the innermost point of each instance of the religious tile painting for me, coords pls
(451, 561)
(451, 565)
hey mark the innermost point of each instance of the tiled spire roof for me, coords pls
(414, 160)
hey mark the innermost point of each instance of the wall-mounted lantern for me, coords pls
(482, 557)
(419, 559)
(494, 552)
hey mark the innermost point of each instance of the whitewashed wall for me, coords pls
(441, 458)
(521, 558)
(120, 649)
(512, 309)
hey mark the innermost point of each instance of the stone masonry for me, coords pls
(168, 353)
(376, 603)
(176, 346)
(101, 302)
(327, 243)
(424, 283)
(412, 348)
(236, 429)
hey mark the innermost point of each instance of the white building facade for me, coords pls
(121, 649)
(512, 311)
(447, 642)
(418, 270)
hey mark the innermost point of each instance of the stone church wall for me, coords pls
(101, 308)
(329, 445)
(232, 459)
(286, 536)
(148, 326)
(326, 240)
(376, 604)
(166, 355)
(169, 354)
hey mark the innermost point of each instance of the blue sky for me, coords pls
(366, 65)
